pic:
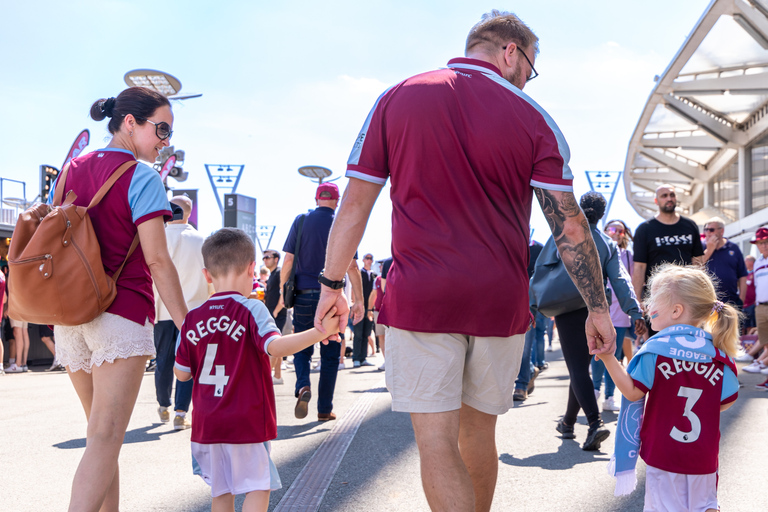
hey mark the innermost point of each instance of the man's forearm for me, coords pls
(638, 280)
(356, 280)
(285, 271)
(575, 244)
(742, 289)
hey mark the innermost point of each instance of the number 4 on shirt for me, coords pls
(219, 379)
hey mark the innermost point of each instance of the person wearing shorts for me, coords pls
(466, 150)
(105, 358)
(21, 335)
(234, 418)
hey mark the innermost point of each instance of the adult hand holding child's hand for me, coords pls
(330, 323)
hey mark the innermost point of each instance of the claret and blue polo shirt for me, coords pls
(463, 149)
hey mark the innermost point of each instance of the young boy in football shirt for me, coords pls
(225, 346)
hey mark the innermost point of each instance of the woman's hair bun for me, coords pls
(103, 108)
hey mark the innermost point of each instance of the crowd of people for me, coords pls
(667, 300)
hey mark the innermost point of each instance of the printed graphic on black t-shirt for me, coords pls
(656, 243)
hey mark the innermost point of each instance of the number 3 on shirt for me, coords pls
(691, 397)
(219, 379)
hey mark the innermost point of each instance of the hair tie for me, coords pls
(108, 106)
(718, 307)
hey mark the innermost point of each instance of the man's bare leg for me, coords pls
(444, 477)
(477, 444)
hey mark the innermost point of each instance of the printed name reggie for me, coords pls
(213, 324)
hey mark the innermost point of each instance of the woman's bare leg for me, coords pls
(108, 396)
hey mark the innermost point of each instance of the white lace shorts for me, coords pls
(104, 339)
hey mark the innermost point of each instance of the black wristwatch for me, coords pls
(334, 285)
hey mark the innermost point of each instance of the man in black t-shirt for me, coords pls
(667, 238)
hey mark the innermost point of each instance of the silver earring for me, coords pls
(130, 134)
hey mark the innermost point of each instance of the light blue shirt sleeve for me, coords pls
(146, 194)
(730, 383)
(645, 370)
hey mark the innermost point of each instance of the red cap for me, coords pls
(762, 234)
(330, 188)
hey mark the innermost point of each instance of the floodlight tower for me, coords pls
(605, 182)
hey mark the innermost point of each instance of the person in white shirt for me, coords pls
(184, 245)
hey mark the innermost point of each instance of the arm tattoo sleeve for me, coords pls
(574, 241)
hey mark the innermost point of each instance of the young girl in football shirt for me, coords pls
(689, 378)
(225, 346)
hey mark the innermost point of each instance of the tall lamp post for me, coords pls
(224, 179)
(605, 182)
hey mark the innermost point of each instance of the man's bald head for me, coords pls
(185, 204)
(666, 198)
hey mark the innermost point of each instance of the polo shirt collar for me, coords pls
(478, 65)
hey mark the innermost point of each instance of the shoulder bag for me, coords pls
(289, 288)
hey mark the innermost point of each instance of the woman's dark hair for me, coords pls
(593, 204)
(139, 101)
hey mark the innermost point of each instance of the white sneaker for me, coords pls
(550, 349)
(597, 394)
(755, 367)
(609, 405)
(14, 369)
(283, 366)
(181, 422)
(744, 358)
(276, 381)
(764, 371)
(341, 366)
(381, 368)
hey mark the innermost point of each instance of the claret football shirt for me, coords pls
(463, 149)
(223, 344)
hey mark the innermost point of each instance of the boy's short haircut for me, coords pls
(228, 250)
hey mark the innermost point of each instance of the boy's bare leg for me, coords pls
(444, 476)
(256, 501)
(276, 363)
(477, 444)
(223, 503)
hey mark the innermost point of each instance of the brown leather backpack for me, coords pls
(56, 273)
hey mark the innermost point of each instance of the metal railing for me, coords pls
(11, 207)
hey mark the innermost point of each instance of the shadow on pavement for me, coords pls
(137, 435)
(563, 458)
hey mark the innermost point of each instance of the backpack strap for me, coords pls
(108, 184)
(59, 191)
(130, 251)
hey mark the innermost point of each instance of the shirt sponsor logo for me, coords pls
(674, 240)
(462, 74)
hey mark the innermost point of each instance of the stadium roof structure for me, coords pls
(704, 126)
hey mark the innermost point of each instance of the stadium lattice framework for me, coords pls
(704, 128)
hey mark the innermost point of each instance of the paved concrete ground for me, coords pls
(42, 429)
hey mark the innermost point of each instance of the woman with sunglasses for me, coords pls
(618, 231)
(105, 358)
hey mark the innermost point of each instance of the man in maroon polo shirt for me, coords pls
(466, 150)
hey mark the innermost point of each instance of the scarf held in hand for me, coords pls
(683, 342)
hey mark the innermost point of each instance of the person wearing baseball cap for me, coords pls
(760, 276)
(305, 249)
(327, 191)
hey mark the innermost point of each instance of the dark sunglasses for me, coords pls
(710, 230)
(162, 129)
(267, 257)
(368, 258)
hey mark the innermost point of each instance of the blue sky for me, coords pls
(290, 84)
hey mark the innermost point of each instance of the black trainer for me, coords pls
(565, 430)
(595, 436)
